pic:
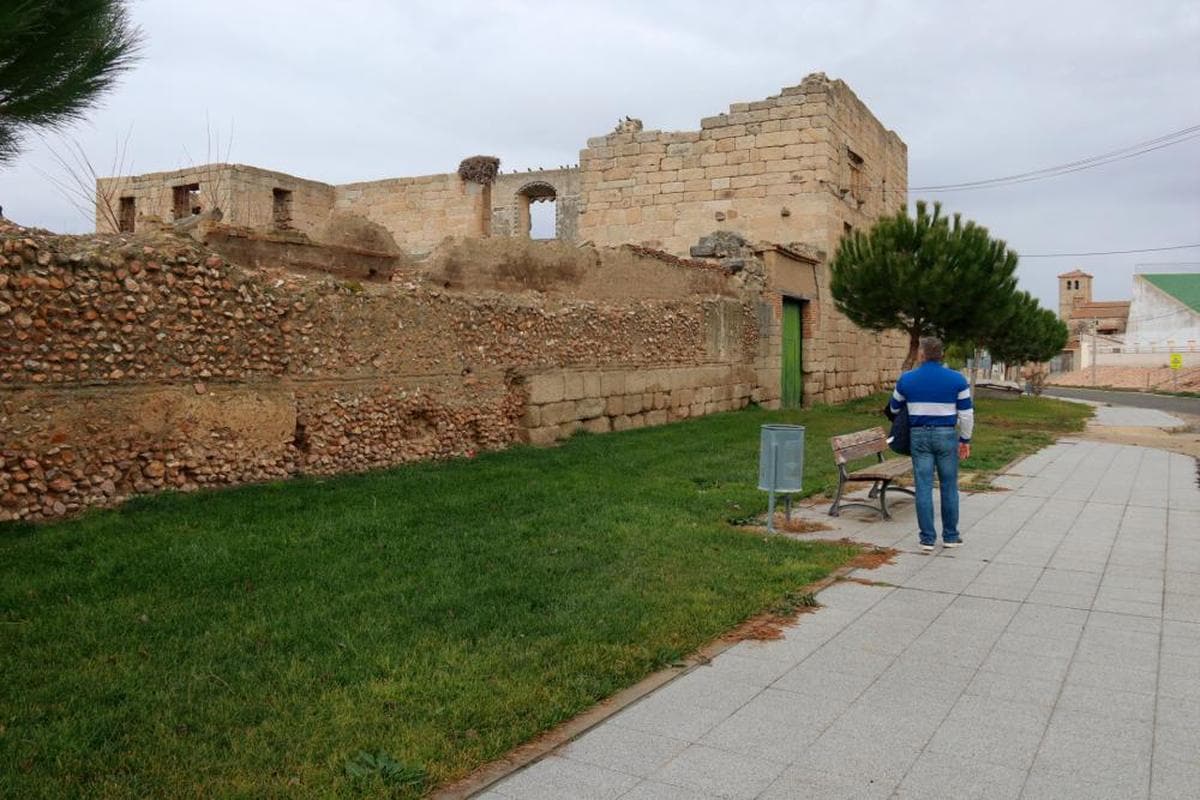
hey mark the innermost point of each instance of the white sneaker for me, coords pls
(949, 545)
(926, 548)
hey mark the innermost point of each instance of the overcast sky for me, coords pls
(364, 89)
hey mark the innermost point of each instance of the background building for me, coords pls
(1161, 319)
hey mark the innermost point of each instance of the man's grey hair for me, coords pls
(931, 348)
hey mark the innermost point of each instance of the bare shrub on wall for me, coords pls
(213, 171)
(80, 182)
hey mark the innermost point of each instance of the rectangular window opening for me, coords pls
(281, 207)
(127, 215)
(185, 200)
(858, 183)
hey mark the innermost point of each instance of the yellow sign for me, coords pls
(1176, 361)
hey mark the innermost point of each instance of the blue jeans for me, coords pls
(936, 448)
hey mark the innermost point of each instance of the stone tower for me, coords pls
(1074, 289)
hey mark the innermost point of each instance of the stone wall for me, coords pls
(245, 196)
(796, 167)
(510, 201)
(557, 270)
(562, 402)
(256, 250)
(417, 212)
(840, 361)
(420, 212)
(133, 364)
(800, 168)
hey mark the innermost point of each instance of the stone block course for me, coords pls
(546, 388)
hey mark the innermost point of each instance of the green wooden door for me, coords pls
(793, 384)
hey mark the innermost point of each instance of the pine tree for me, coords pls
(57, 57)
(925, 275)
(1027, 333)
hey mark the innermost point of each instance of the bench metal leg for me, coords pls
(837, 497)
(883, 500)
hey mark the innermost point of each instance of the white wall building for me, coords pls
(1164, 318)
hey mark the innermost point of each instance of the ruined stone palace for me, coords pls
(229, 324)
(797, 167)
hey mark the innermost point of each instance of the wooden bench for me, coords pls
(860, 444)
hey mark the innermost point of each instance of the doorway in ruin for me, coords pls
(537, 211)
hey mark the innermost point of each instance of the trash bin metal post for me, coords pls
(771, 491)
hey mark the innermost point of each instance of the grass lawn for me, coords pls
(253, 642)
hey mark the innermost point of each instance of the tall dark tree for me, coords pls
(1028, 333)
(57, 57)
(924, 275)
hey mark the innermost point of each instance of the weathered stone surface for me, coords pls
(589, 408)
(546, 388)
(598, 425)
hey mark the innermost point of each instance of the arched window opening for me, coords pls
(537, 211)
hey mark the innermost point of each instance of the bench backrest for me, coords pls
(852, 446)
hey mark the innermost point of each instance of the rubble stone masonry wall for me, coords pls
(135, 364)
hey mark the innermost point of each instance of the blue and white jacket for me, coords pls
(938, 396)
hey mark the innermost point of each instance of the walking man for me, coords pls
(939, 401)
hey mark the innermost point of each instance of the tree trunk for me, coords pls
(914, 344)
(974, 368)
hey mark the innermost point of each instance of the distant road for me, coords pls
(1179, 405)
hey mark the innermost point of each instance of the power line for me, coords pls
(1130, 151)
(1108, 252)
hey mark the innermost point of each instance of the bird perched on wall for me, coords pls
(628, 125)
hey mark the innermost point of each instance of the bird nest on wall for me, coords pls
(479, 169)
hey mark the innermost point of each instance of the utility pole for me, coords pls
(1094, 323)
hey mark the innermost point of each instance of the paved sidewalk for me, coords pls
(1056, 655)
(1129, 417)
